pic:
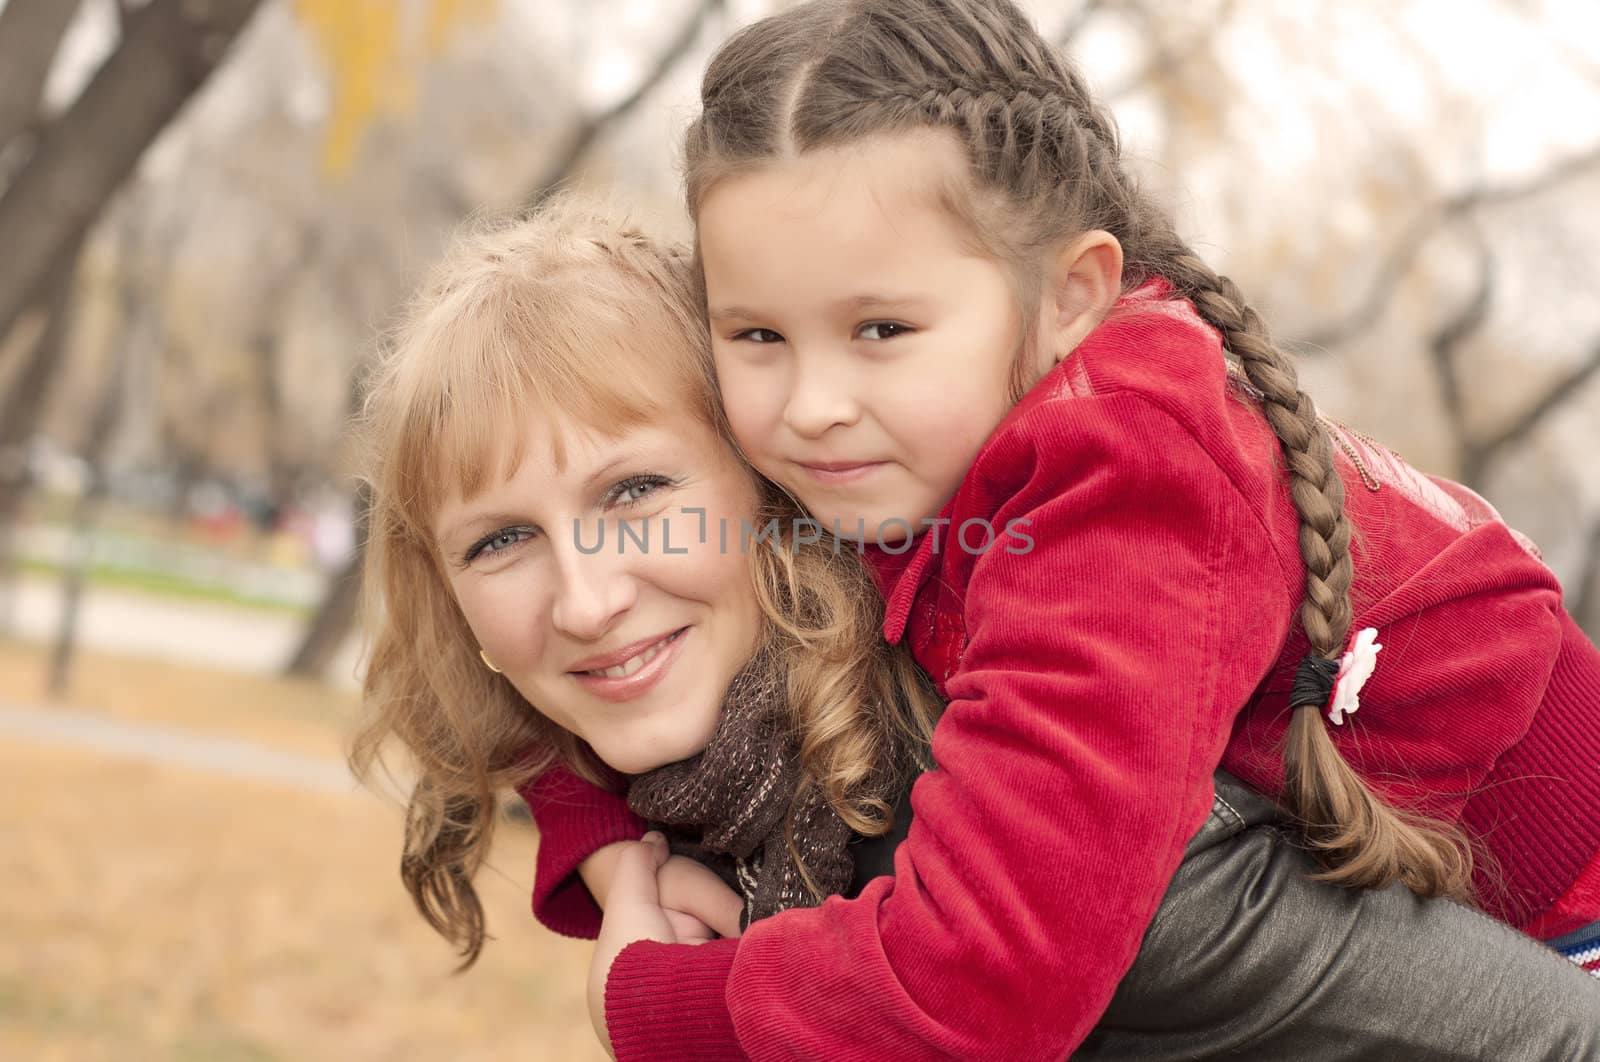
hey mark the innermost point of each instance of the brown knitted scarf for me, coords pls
(727, 806)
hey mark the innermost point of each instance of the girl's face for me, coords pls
(863, 349)
(596, 585)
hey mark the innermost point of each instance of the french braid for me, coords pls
(1045, 166)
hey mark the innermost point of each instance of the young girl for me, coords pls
(549, 483)
(910, 215)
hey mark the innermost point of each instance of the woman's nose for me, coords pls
(595, 593)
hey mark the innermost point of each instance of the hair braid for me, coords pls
(1360, 840)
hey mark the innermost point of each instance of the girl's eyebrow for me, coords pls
(871, 300)
(850, 304)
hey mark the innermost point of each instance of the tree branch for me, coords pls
(1068, 33)
(1484, 450)
(1446, 342)
(1408, 245)
(30, 34)
(170, 48)
(1585, 606)
(1167, 60)
(591, 127)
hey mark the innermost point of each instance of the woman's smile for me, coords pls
(638, 670)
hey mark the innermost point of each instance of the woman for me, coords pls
(578, 582)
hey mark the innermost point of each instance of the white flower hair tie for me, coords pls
(1323, 683)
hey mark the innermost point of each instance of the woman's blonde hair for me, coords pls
(573, 313)
(1044, 166)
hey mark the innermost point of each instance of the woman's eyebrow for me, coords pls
(636, 452)
(473, 525)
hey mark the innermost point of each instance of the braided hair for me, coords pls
(1044, 166)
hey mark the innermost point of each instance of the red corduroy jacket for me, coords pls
(1136, 630)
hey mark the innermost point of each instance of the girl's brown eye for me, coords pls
(882, 330)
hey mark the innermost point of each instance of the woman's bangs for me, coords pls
(499, 383)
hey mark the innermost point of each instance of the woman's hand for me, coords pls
(633, 912)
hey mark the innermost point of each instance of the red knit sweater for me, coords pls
(1097, 671)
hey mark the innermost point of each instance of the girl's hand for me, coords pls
(699, 904)
(633, 912)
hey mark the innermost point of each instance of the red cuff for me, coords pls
(575, 820)
(670, 1001)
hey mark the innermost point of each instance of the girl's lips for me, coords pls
(838, 472)
(641, 681)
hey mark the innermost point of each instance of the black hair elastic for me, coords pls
(1313, 681)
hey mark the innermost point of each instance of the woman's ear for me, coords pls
(1084, 281)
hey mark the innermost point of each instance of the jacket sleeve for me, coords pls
(1102, 672)
(575, 818)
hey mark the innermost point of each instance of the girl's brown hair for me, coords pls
(572, 313)
(1044, 167)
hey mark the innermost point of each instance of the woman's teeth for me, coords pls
(634, 663)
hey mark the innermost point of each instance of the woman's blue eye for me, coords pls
(760, 335)
(499, 541)
(636, 489)
(884, 330)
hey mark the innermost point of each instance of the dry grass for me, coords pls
(154, 912)
(296, 716)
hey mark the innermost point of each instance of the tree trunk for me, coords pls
(85, 513)
(30, 33)
(1584, 591)
(169, 48)
(336, 616)
(21, 409)
(22, 405)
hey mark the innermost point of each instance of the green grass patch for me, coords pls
(164, 584)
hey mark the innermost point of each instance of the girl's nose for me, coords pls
(820, 398)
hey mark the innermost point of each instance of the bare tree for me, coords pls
(1480, 450)
(1476, 448)
(43, 331)
(1414, 237)
(590, 128)
(84, 517)
(1583, 601)
(168, 50)
(30, 33)
(336, 615)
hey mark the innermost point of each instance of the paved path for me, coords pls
(198, 632)
(170, 745)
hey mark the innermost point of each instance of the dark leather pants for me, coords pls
(1248, 959)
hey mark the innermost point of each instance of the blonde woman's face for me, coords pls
(602, 589)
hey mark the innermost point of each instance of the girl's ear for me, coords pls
(1084, 281)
